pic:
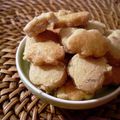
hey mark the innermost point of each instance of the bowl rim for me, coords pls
(52, 98)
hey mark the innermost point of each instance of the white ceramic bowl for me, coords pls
(23, 69)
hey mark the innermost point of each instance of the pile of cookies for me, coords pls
(71, 56)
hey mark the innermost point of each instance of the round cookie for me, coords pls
(47, 77)
(88, 74)
(113, 55)
(85, 42)
(47, 52)
(94, 24)
(70, 92)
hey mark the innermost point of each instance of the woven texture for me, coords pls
(16, 102)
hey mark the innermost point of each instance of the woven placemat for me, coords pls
(16, 102)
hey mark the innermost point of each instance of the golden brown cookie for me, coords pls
(85, 42)
(88, 74)
(47, 52)
(94, 24)
(47, 77)
(40, 24)
(72, 19)
(114, 48)
(70, 92)
(62, 18)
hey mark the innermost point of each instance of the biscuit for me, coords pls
(72, 19)
(29, 42)
(62, 18)
(114, 48)
(47, 77)
(88, 74)
(47, 52)
(40, 24)
(70, 92)
(93, 24)
(85, 42)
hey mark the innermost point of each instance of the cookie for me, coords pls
(62, 18)
(94, 24)
(88, 74)
(47, 52)
(113, 55)
(85, 42)
(40, 24)
(47, 77)
(70, 92)
(72, 19)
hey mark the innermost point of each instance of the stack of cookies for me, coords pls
(71, 56)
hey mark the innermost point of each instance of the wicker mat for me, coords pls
(16, 102)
